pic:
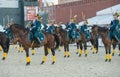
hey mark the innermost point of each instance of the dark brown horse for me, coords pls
(4, 42)
(103, 32)
(64, 40)
(81, 42)
(21, 35)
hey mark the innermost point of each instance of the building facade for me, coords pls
(66, 1)
(63, 12)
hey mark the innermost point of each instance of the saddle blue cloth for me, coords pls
(85, 31)
(37, 34)
(51, 29)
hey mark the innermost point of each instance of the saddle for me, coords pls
(37, 36)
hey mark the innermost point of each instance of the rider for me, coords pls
(51, 28)
(114, 26)
(84, 29)
(72, 27)
(36, 28)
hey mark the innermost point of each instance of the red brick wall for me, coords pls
(89, 7)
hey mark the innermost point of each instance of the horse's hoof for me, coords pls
(65, 56)
(28, 63)
(96, 52)
(112, 54)
(32, 53)
(18, 51)
(42, 62)
(106, 60)
(76, 52)
(79, 55)
(119, 54)
(109, 60)
(93, 52)
(85, 55)
(68, 56)
(3, 58)
(59, 50)
(53, 62)
(21, 51)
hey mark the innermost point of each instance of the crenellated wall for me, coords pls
(63, 12)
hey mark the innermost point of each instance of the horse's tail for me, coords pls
(57, 40)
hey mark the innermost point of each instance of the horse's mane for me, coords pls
(101, 29)
(20, 27)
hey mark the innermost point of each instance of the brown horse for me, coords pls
(64, 40)
(21, 35)
(103, 32)
(82, 42)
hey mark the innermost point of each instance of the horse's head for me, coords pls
(94, 30)
(57, 30)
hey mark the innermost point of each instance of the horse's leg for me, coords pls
(119, 49)
(107, 54)
(113, 50)
(65, 51)
(68, 52)
(22, 48)
(53, 56)
(92, 45)
(28, 60)
(60, 47)
(77, 48)
(48, 49)
(19, 47)
(33, 51)
(1, 48)
(110, 55)
(81, 48)
(96, 46)
(46, 53)
(85, 49)
(5, 51)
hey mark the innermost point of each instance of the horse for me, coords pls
(4, 42)
(21, 35)
(81, 42)
(64, 40)
(103, 32)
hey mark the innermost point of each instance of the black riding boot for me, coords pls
(40, 43)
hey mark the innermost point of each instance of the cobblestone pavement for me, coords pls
(91, 66)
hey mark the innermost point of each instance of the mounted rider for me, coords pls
(36, 32)
(51, 28)
(84, 29)
(71, 28)
(114, 29)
